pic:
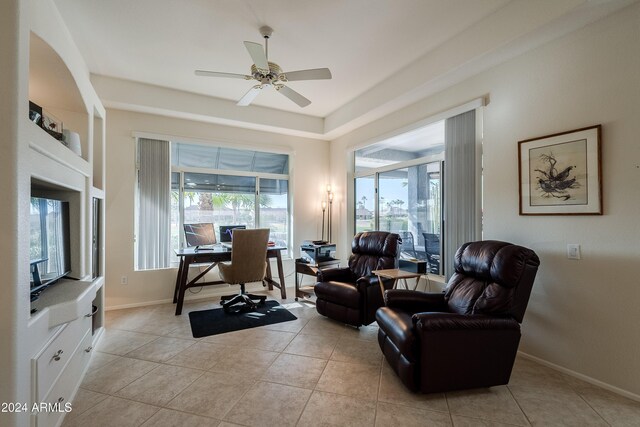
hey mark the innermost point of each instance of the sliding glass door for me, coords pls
(407, 201)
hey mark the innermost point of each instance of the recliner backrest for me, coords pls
(374, 250)
(492, 278)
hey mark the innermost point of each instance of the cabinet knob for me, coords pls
(56, 356)
(88, 349)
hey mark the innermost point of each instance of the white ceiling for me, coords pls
(363, 42)
(383, 54)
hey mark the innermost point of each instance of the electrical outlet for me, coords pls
(124, 280)
(573, 251)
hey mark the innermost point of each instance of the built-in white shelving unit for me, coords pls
(67, 320)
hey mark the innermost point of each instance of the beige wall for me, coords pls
(310, 163)
(583, 315)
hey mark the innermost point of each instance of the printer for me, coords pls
(317, 253)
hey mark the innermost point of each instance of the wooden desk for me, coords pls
(189, 256)
(397, 274)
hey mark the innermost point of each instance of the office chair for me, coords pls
(407, 246)
(248, 264)
(432, 250)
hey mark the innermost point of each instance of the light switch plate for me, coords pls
(573, 251)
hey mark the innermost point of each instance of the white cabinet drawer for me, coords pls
(55, 356)
(63, 389)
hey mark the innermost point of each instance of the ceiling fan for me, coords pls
(269, 74)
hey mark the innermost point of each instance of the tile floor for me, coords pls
(149, 371)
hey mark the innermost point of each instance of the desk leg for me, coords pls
(178, 280)
(183, 285)
(269, 276)
(283, 289)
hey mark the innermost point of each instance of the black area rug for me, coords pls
(216, 321)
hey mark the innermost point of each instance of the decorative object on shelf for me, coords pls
(35, 113)
(72, 140)
(53, 126)
(561, 174)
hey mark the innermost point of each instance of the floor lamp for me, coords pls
(330, 197)
(324, 207)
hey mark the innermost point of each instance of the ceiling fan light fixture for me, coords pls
(273, 72)
(269, 73)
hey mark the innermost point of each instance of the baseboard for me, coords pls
(582, 377)
(227, 291)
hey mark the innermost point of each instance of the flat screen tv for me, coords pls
(49, 242)
(199, 234)
(226, 232)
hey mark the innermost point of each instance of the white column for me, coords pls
(14, 209)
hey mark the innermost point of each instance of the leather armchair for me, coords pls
(467, 336)
(352, 294)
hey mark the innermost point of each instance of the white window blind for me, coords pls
(154, 204)
(459, 185)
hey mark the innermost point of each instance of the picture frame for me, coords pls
(35, 113)
(561, 174)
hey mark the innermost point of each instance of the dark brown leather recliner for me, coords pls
(467, 336)
(352, 294)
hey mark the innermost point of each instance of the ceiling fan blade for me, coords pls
(315, 74)
(249, 96)
(217, 74)
(293, 95)
(257, 55)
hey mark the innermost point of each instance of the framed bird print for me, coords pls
(560, 174)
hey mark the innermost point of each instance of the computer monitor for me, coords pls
(227, 230)
(199, 234)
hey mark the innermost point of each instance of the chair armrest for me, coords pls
(454, 321)
(365, 282)
(415, 301)
(335, 274)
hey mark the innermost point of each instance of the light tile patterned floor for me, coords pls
(149, 371)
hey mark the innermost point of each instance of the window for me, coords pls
(274, 208)
(223, 186)
(398, 188)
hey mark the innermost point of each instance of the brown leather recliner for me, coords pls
(352, 294)
(467, 336)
